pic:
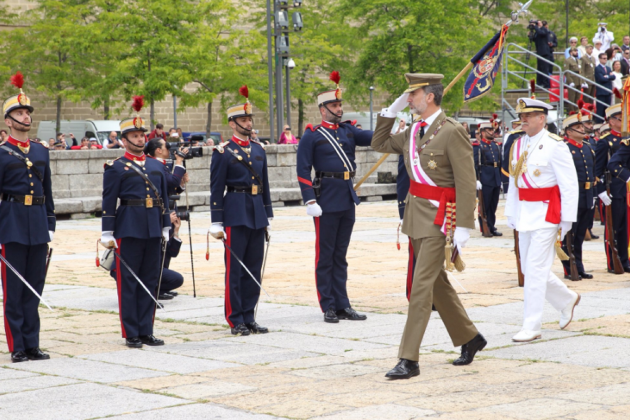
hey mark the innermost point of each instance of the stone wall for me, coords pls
(77, 178)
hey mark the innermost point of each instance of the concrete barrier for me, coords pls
(77, 178)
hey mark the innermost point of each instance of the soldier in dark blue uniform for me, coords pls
(587, 121)
(136, 228)
(329, 148)
(607, 147)
(584, 160)
(505, 154)
(488, 167)
(241, 216)
(27, 223)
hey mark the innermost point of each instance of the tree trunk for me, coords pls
(209, 121)
(58, 113)
(410, 57)
(106, 108)
(300, 117)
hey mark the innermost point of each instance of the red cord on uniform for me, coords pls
(208, 246)
(98, 262)
(398, 236)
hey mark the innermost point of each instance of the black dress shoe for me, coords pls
(19, 356)
(568, 277)
(150, 340)
(497, 233)
(593, 236)
(240, 329)
(405, 369)
(255, 328)
(351, 315)
(626, 269)
(331, 316)
(586, 276)
(165, 296)
(470, 349)
(36, 354)
(172, 293)
(133, 342)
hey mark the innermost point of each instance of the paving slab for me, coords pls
(33, 382)
(195, 412)
(89, 370)
(205, 390)
(78, 402)
(159, 361)
(382, 412)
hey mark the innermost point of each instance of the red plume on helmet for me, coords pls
(572, 113)
(532, 87)
(138, 103)
(617, 93)
(17, 80)
(589, 107)
(580, 104)
(334, 76)
(244, 91)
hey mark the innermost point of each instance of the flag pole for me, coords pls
(514, 18)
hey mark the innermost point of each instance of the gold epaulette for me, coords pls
(604, 136)
(258, 143)
(626, 142)
(555, 137)
(516, 131)
(43, 144)
(221, 146)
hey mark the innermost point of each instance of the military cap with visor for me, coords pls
(136, 123)
(19, 101)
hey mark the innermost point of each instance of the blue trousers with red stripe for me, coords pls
(136, 308)
(333, 231)
(241, 292)
(20, 305)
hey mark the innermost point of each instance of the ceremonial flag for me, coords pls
(625, 108)
(486, 64)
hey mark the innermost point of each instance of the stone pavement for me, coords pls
(305, 368)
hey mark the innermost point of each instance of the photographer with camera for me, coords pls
(176, 178)
(604, 36)
(171, 279)
(539, 35)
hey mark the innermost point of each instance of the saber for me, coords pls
(164, 245)
(268, 237)
(19, 276)
(48, 258)
(140, 281)
(192, 264)
(243, 265)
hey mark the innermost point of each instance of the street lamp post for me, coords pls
(175, 111)
(290, 64)
(371, 112)
(270, 71)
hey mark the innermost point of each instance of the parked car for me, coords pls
(214, 135)
(98, 129)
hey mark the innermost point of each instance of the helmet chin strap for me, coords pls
(139, 147)
(332, 113)
(248, 131)
(19, 122)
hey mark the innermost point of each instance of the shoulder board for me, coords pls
(604, 136)
(515, 132)
(310, 127)
(452, 121)
(258, 143)
(555, 137)
(351, 122)
(475, 143)
(110, 163)
(625, 142)
(41, 144)
(221, 146)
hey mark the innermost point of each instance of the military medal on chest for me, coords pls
(432, 164)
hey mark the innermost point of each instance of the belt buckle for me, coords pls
(587, 185)
(346, 176)
(149, 203)
(254, 189)
(495, 164)
(28, 200)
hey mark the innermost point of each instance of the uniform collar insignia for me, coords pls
(242, 143)
(486, 141)
(20, 144)
(575, 143)
(613, 132)
(330, 126)
(135, 158)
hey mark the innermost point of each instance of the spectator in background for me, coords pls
(112, 142)
(538, 34)
(158, 132)
(625, 61)
(51, 143)
(180, 133)
(3, 136)
(625, 43)
(467, 128)
(573, 44)
(171, 131)
(588, 71)
(94, 144)
(552, 40)
(85, 145)
(286, 137)
(616, 71)
(597, 50)
(60, 144)
(604, 77)
(604, 36)
(609, 56)
(573, 65)
(581, 48)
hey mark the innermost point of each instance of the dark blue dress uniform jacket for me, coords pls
(121, 181)
(488, 154)
(26, 225)
(607, 146)
(315, 151)
(236, 208)
(584, 161)
(620, 162)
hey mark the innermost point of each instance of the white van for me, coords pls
(99, 129)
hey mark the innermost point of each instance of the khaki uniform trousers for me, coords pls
(431, 286)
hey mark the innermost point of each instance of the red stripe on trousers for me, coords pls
(119, 287)
(228, 257)
(7, 328)
(319, 298)
(410, 270)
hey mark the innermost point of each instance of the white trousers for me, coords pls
(537, 254)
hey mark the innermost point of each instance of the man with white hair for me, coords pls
(572, 44)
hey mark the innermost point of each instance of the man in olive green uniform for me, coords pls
(439, 159)
(588, 64)
(574, 83)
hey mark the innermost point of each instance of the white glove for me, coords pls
(165, 233)
(605, 198)
(585, 85)
(51, 234)
(565, 227)
(511, 223)
(108, 240)
(479, 185)
(398, 105)
(216, 230)
(460, 237)
(269, 225)
(572, 85)
(313, 210)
